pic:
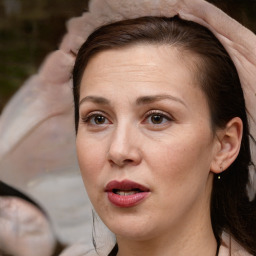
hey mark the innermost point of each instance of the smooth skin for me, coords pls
(143, 117)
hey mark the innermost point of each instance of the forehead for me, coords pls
(142, 63)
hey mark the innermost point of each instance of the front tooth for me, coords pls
(126, 193)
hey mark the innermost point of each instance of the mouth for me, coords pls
(125, 187)
(126, 193)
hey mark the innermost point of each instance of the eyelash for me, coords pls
(87, 119)
(159, 113)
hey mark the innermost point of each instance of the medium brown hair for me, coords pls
(231, 210)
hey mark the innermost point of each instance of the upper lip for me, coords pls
(125, 185)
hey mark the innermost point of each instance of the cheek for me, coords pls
(91, 158)
(182, 159)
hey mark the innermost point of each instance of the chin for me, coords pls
(131, 226)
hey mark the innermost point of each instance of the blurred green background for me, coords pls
(29, 29)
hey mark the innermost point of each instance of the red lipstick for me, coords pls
(126, 193)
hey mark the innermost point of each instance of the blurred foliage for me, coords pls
(29, 29)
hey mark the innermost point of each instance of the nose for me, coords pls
(124, 147)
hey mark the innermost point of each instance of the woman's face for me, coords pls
(144, 142)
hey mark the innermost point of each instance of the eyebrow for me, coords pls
(95, 99)
(140, 101)
(154, 98)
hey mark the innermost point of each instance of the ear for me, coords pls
(228, 145)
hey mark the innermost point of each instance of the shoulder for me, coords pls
(230, 247)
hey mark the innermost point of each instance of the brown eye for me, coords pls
(95, 119)
(99, 119)
(157, 119)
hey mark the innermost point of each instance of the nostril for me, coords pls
(128, 161)
(121, 163)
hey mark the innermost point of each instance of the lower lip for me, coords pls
(126, 201)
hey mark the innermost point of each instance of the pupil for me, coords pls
(156, 119)
(99, 119)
